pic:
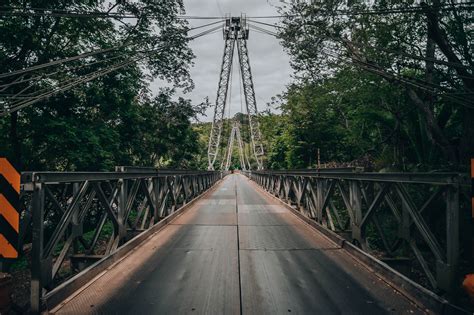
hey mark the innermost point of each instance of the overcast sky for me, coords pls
(270, 64)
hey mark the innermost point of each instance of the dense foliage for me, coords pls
(113, 119)
(391, 89)
(394, 89)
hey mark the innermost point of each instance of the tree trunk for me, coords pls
(434, 132)
(466, 150)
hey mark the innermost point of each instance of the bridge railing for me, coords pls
(81, 217)
(397, 217)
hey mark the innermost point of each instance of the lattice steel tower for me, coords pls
(235, 30)
(235, 136)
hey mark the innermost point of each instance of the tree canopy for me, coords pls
(108, 116)
(387, 83)
(375, 79)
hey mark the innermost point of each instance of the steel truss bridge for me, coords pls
(323, 241)
(327, 241)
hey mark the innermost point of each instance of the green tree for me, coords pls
(423, 55)
(109, 120)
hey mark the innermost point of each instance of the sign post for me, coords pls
(9, 210)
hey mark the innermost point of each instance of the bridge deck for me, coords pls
(237, 251)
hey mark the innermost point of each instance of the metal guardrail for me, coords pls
(79, 218)
(414, 216)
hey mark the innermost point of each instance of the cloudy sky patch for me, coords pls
(270, 64)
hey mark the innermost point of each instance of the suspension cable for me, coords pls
(68, 84)
(400, 53)
(205, 25)
(206, 32)
(44, 76)
(399, 78)
(60, 61)
(422, 84)
(262, 30)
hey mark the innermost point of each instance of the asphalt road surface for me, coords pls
(237, 251)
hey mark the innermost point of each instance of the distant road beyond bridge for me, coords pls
(237, 250)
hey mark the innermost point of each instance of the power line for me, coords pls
(60, 61)
(263, 23)
(205, 25)
(415, 57)
(18, 11)
(367, 67)
(421, 84)
(207, 32)
(19, 80)
(196, 17)
(17, 106)
(67, 81)
(68, 84)
(382, 11)
(265, 33)
(417, 9)
(81, 56)
(96, 52)
(400, 53)
(262, 30)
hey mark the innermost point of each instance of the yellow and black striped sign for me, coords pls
(9, 209)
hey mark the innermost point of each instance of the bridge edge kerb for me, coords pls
(82, 280)
(421, 296)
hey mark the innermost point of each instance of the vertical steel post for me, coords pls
(76, 222)
(320, 194)
(122, 209)
(37, 210)
(452, 234)
(156, 197)
(356, 207)
(405, 232)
